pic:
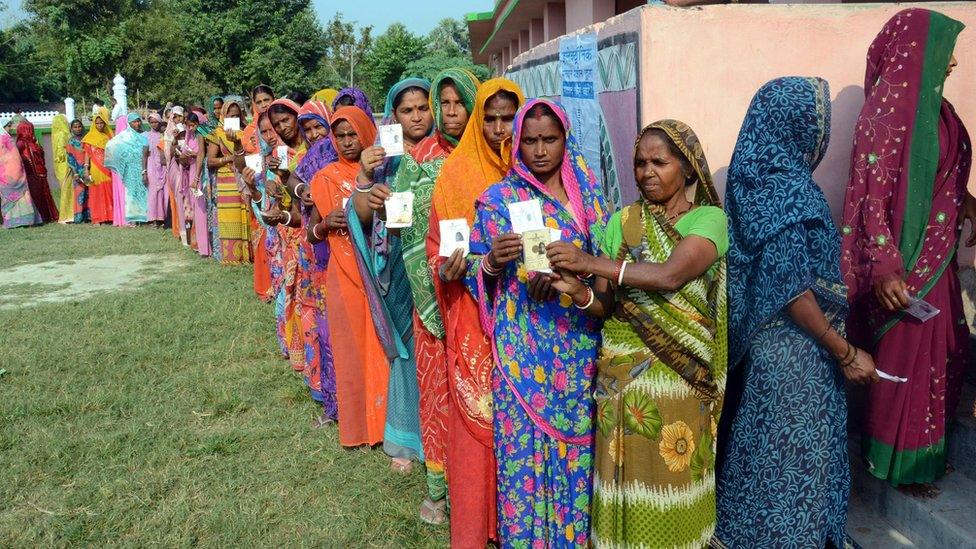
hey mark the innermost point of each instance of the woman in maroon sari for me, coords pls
(33, 157)
(903, 214)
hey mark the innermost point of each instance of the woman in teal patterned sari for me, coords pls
(784, 478)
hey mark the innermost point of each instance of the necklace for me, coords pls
(678, 214)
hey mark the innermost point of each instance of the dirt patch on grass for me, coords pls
(71, 280)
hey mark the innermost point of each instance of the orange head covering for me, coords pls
(473, 166)
(364, 127)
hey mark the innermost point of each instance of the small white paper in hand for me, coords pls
(344, 202)
(232, 124)
(889, 377)
(920, 309)
(255, 162)
(282, 153)
(455, 235)
(526, 216)
(399, 210)
(391, 139)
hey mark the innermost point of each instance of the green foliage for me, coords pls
(387, 60)
(188, 50)
(428, 66)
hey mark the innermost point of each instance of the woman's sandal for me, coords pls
(433, 512)
(322, 421)
(401, 465)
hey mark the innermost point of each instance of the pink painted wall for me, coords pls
(703, 65)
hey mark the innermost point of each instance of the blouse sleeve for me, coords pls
(710, 223)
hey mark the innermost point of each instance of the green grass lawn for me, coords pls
(162, 414)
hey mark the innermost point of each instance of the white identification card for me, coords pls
(890, 377)
(180, 127)
(399, 210)
(391, 139)
(921, 310)
(282, 153)
(232, 124)
(455, 235)
(255, 162)
(526, 216)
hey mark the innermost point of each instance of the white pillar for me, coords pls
(69, 108)
(118, 92)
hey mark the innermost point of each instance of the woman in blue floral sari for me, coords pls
(545, 347)
(784, 479)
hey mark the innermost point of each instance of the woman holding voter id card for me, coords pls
(545, 347)
(903, 213)
(660, 285)
(481, 159)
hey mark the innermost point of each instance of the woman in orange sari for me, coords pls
(261, 98)
(361, 365)
(477, 163)
(100, 188)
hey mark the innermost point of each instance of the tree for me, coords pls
(428, 66)
(450, 38)
(388, 58)
(345, 49)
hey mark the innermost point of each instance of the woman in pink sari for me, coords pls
(155, 173)
(903, 213)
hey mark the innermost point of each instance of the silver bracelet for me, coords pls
(299, 186)
(363, 190)
(315, 232)
(589, 302)
(289, 218)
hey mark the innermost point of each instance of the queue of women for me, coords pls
(574, 392)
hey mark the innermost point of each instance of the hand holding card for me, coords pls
(455, 235)
(232, 124)
(399, 210)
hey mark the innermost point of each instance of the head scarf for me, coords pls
(294, 108)
(781, 236)
(214, 115)
(467, 85)
(154, 117)
(249, 139)
(685, 139)
(327, 96)
(178, 110)
(30, 149)
(123, 153)
(60, 134)
(392, 164)
(361, 123)
(322, 152)
(575, 173)
(903, 132)
(359, 99)
(473, 166)
(95, 138)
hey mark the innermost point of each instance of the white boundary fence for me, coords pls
(38, 118)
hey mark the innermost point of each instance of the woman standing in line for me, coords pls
(785, 477)
(906, 202)
(100, 188)
(33, 157)
(545, 348)
(78, 163)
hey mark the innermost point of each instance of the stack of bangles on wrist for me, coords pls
(488, 269)
(850, 355)
(588, 301)
(364, 189)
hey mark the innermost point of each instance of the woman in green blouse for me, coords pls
(661, 371)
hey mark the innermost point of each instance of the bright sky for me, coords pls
(420, 16)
